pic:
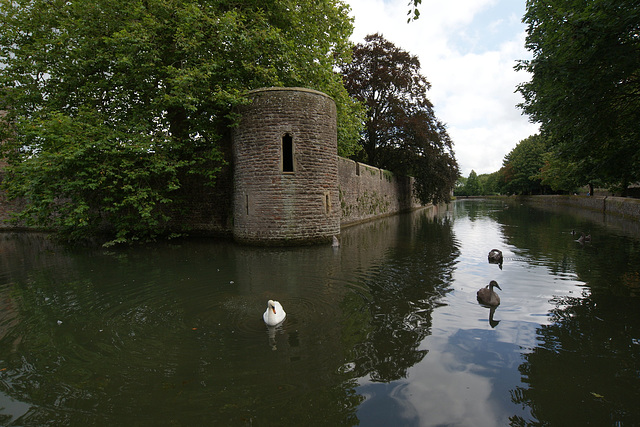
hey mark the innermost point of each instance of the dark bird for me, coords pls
(583, 239)
(495, 257)
(488, 296)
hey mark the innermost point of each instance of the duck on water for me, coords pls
(488, 296)
(495, 257)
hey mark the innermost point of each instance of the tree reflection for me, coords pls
(403, 292)
(583, 373)
(92, 340)
(585, 368)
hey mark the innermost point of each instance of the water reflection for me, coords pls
(383, 330)
(492, 321)
(403, 292)
(585, 370)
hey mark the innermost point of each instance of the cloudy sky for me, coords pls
(467, 50)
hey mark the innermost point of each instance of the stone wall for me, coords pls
(367, 192)
(364, 193)
(285, 168)
(619, 206)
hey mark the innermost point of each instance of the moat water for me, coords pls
(385, 330)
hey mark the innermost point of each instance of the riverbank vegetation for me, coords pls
(585, 93)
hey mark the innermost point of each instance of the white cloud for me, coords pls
(467, 49)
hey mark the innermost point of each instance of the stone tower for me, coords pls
(286, 168)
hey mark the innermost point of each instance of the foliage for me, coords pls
(113, 104)
(490, 183)
(459, 187)
(414, 12)
(558, 174)
(473, 184)
(402, 133)
(585, 86)
(521, 167)
(478, 185)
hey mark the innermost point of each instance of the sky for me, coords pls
(467, 51)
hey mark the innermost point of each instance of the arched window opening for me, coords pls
(287, 153)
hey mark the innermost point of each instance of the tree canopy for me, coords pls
(113, 104)
(472, 186)
(521, 167)
(585, 86)
(402, 133)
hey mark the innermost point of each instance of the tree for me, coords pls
(460, 188)
(489, 183)
(559, 174)
(113, 105)
(522, 167)
(401, 133)
(585, 85)
(414, 12)
(472, 186)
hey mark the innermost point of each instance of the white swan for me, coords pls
(274, 314)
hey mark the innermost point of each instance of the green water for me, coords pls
(385, 330)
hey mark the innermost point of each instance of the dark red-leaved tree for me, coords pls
(402, 133)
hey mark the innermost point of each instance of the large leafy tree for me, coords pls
(401, 133)
(522, 166)
(113, 106)
(585, 86)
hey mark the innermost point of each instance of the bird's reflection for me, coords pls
(492, 321)
(272, 331)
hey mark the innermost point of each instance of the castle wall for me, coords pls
(272, 197)
(367, 192)
(286, 168)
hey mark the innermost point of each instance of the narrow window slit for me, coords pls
(287, 153)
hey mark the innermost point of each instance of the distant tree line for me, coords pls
(525, 171)
(585, 93)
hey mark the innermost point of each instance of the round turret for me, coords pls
(286, 168)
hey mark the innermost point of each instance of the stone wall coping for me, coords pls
(289, 89)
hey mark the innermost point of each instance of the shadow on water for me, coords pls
(384, 330)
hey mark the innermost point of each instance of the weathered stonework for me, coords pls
(286, 168)
(367, 192)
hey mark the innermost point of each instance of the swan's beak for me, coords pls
(497, 286)
(274, 310)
